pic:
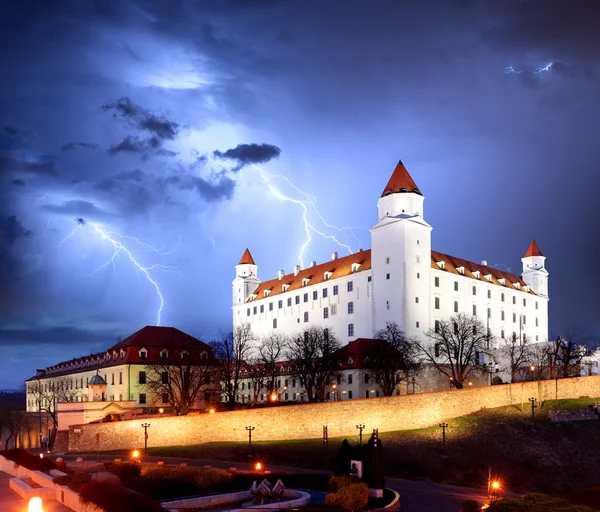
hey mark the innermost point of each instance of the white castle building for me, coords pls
(400, 279)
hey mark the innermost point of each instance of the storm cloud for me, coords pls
(246, 154)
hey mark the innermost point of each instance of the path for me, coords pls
(10, 501)
(415, 496)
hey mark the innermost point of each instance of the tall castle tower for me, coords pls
(401, 256)
(246, 278)
(534, 270)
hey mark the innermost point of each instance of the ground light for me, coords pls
(41, 455)
(258, 466)
(135, 455)
(212, 411)
(35, 505)
(274, 397)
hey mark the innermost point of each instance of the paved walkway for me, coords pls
(10, 501)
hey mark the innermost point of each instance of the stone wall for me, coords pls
(306, 421)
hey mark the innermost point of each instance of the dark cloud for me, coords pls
(132, 144)
(11, 258)
(66, 335)
(18, 133)
(246, 154)
(71, 146)
(78, 208)
(143, 119)
(18, 182)
(11, 162)
(10, 231)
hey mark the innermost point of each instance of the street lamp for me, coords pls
(250, 429)
(443, 426)
(532, 368)
(413, 384)
(360, 429)
(145, 426)
(533, 407)
(334, 392)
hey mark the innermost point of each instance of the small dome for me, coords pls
(96, 379)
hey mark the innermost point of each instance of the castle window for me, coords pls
(476, 274)
(355, 267)
(524, 302)
(502, 281)
(305, 316)
(502, 297)
(350, 379)
(502, 315)
(350, 329)
(437, 303)
(333, 309)
(474, 290)
(165, 398)
(185, 355)
(524, 319)
(514, 318)
(335, 289)
(417, 325)
(536, 304)
(489, 294)
(274, 323)
(350, 286)
(270, 306)
(502, 333)
(122, 354)
(164, 377)
(325, 335)
(120, 380)
(437, 282)
(289, 302)
(514, 300)
(489, 313)
(369, 279)
(141, 377)
(536, 322)
(262, 308)
(315, 295)
(297, 299)
(280, 304)
(436, 349)
(324, 293)
(254, 309)
(350, 308)
(142, 398)
(437, 326)
(325, 312)
(248, 312)
(306, 297)
(387, 261)
(387, 276)
(143, 353)
(455, 286)
(164, 353)
(456, 306)
(461, 270)
(305, 281)
(327, 275)
(416, 300)
(474, 309)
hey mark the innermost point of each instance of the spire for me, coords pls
(247, 258)
(533, 250)
(400, 181)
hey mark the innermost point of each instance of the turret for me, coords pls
(96, 388)
(534, 270)
(401, 196)
(246, 280)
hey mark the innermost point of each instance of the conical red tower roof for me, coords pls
(533, 250)
(247, 258)
(400, 181)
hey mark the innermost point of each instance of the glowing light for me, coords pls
(307, 201)
(161, 410)
(135, 454)
(258, 466)
(495, 485)
(273, 397)
(212, 411)
(41, 455)
(35, 505)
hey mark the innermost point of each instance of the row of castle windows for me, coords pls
(489, 311)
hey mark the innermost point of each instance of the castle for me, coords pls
(400, 279)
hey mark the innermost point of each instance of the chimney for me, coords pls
(280, 274)
(313, 263)
(484, 263)
(334, 256)
(296, 269)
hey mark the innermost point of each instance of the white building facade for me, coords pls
(400, 279)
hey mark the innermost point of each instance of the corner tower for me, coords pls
(401, 256)
(246, 278)
(534, 270)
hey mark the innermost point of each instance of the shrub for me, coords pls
(339, 482)
(126, 471)
(116, 498)
(29, 460)
(536, 503)
(351, 497)
(74, 481)
(469, 506)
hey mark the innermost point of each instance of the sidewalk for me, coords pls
(10, 501)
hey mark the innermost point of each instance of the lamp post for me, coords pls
(145, 426)
(413, 384)
(360, 429)
(326, 447)
(443, 426)
(532, 368)
(250, 429)
(334, 387)
(533, 407)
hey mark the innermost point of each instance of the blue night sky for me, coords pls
(157, 120)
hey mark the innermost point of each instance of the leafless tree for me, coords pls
(29, 424)
(179, 384)
(452, 346)
(256, 372)
(271, 350)
(311, 353)
(517, 357)
(232, 351)
(392, 359)
(10, 421)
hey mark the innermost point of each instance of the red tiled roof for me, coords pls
(452, 265)
(247, 258)
(164, 337)
(339, 267)
(400, 180)
(533, 250)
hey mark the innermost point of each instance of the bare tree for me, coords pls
(232, 351)
(392, 358)
(179, 383)
(312, 354)
(453, 345)
(271, 350)
(540, 359)
(517, 356)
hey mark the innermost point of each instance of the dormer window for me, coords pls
(476, 274)
(461, 270)
(441, 264)
(285, 287)
(164, 353)
(327, 275)
(517, 285)
(355, 267)
(526, 288)
(143, 353)
(204, 355)
(350, 361)
(305, 281)
(185, 355)
(488, 277)
(252, 296)
(115, 355)
(502, 281)
(266, 293)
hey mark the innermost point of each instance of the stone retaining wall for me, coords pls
(306, 421)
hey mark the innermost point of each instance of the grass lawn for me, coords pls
(556, 457)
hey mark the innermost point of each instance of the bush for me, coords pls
(116, 498)
(469, 506)
(74, 481)
(536, 503)
(29, 460)
(339, 482)
(351, 497)
(126, 471)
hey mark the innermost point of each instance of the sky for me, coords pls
(145, 144)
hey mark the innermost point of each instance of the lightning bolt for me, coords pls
(308, 201)
(510, 71)
(116, 240)
(541, 69)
